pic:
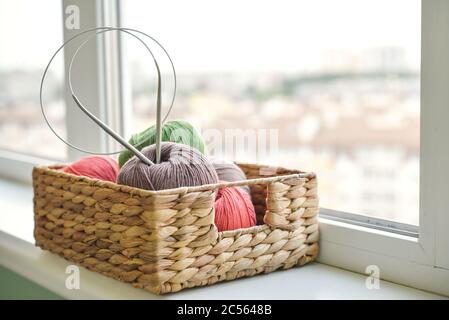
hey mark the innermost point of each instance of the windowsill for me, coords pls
(314, 281)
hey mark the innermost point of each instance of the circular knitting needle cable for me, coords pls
(106, 128)
(77, 101)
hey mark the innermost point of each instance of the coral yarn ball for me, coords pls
(233, 209)
(96, 167)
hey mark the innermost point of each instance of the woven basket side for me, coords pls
(181, 233)
(288, 238)
(123, 235)
(165, 242)
(287, 202)
(259, 191)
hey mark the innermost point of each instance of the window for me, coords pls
(21, 65)
(345, 104)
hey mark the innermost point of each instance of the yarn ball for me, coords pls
(180, 166)
(97, 167)
(233, 209)
(173, 131)
(229, 171)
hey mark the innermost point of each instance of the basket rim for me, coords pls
(53, 170)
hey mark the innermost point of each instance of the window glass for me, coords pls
(337, 81)
(32, 31)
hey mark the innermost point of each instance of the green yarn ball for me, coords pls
(172, 131)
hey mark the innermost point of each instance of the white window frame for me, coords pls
(421, 262)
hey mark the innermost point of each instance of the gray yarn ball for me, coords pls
(180, 166)
(229, 171)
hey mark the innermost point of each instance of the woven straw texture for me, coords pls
(166, 241)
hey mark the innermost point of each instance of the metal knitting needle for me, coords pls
(158, 117)
(111, 132)
(101, 30)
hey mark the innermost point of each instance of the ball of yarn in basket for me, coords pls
(233, 209)
(229, 171)
(97, 167)
(180, 166)
(173, 131)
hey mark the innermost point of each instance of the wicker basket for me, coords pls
(166, 241)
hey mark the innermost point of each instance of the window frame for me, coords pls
(99, 84)
(421, 262)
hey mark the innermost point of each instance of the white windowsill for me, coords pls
(314, 281)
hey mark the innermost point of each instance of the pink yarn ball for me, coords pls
(234, 209)
(96, 167)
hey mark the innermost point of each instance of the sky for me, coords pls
(30, 32)
(229, 36)
(273, 35)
